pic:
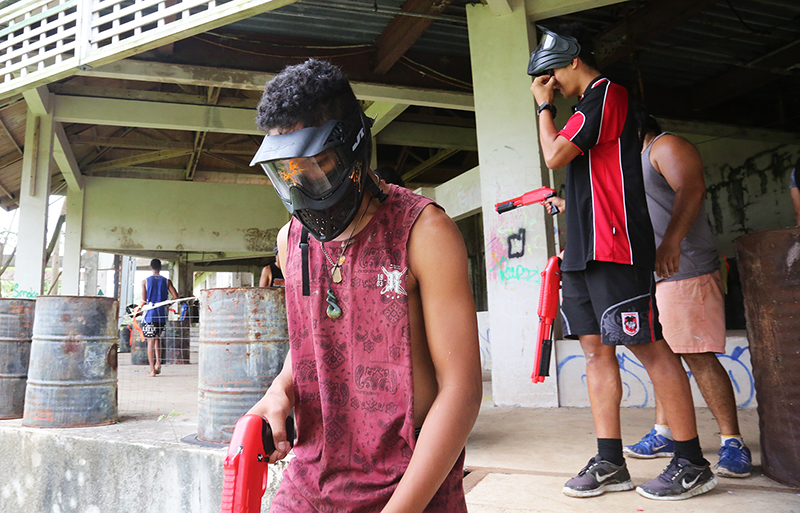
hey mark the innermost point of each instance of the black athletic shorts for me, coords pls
(153, 329)
(617, 301)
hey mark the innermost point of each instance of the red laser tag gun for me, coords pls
(548, 309)
(246, 464)
(537, 196)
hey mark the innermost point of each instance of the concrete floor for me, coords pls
(518, 458)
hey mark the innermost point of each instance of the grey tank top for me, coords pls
(698, 251)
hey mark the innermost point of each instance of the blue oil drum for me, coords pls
(16, 328)
(243, 344)
(72, 379)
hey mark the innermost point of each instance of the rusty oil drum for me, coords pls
(769, 264)
(16, 328)
(243, 344)
(138, 346)
(176, 342)
(72, 380)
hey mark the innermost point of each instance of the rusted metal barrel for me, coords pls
(176, 342)
(138, 347)
(125, 339)
(16, 327)
(769, 263)
(243, 343)
(72, 380)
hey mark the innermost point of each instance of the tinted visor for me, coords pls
(315, 175)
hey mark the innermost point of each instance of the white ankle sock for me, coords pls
(664, 431)
(724, 439)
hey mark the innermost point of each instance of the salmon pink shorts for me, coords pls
(692, 314)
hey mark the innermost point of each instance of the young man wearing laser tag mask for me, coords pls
(607, 271)
(384, 368)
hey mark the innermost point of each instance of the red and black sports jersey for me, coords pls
(607, 217)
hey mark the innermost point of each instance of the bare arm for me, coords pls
(279, 400)
(556, 150)
(679, 162)
(172, 292)
(438, 260)
(557, 202)
(796, 201)
(266, 277)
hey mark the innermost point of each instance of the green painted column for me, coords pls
(33, 203)
(519, 242)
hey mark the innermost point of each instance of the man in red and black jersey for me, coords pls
(607, 270)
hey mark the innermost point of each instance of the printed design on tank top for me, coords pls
(394, 279)
(630, 323)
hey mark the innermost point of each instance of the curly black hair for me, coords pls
(309, 94)
(579, 31)
(645, 122)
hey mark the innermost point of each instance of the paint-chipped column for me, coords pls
(73, 233)
(519, 242)
(33, 202)
(183, 276)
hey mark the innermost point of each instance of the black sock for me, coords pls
(690, 450)
(610, 449)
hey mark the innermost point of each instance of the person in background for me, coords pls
(691, 302)
(155, 289)
(271, 275)
(607, 271)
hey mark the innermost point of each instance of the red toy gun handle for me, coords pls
(548, 309)
(534, 196)
(246, 464)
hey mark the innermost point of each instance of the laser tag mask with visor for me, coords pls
(320, 172)
(554, 51)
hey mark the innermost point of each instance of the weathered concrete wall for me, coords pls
(748, 185)
(52, 471)
(180, 216)
(636, 384)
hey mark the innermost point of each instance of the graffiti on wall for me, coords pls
(515, 240)
(23, 294)
(637, 389)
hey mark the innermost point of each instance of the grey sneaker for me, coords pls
(680, 480)
(597, 477)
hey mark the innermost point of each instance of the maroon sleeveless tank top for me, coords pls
(352, 376)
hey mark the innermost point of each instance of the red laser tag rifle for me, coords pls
(548, 309)
(246, 464)
(537, 196)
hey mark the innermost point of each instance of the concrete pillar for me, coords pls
(519, 242)
(73, 233)
(183, 276)
(91, 261)
(33, 201)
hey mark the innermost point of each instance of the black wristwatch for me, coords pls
(547, 106)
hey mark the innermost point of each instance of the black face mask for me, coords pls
(320, 173)
(554, 51)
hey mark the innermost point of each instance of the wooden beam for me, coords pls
(642, 26)
(429, 136)
(741, 80)
(499, 7)
(136, 159)
(168, 116)
(129, 69)
(152, 96)
(403, 31)
(38, 100)
(440, 156)
(383, 113)
(134, 143)
(544, 9)
(65, 159)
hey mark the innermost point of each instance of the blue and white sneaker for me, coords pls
(734, 460)
(651, 445)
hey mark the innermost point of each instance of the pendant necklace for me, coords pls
(334, 311)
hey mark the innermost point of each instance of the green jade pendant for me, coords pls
(333, 311)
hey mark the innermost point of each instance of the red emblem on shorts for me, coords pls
(630, 323)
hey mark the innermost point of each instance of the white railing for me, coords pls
(45, 40)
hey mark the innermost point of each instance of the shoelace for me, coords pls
(589, 465)
(672, 470)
